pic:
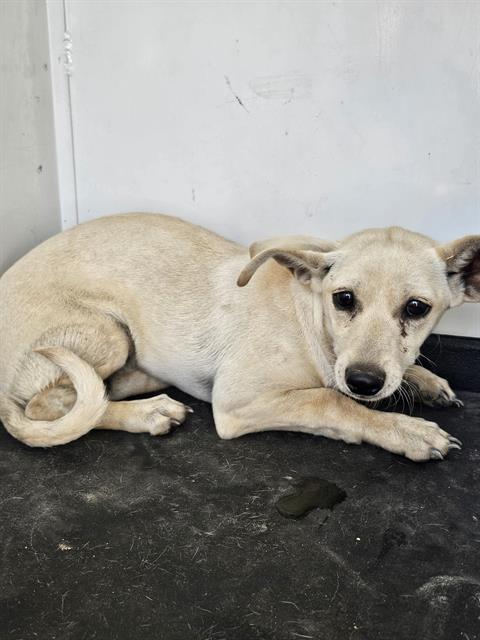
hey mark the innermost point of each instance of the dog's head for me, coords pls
(381, 291)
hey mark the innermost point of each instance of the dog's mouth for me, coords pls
(364, 399)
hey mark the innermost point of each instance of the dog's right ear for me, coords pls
(462, 258)
(307, 258)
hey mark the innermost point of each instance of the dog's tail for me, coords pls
(89, 407)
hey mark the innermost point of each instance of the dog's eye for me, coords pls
(344, 300)
(416, 308)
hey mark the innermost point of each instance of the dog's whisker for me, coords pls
(421, 355)
(410, 396)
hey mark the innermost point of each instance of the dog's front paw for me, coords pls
(439, 394)
(431, 389)
(419, 439)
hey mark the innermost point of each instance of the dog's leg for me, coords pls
(431, 389)
(51, 403)
(153, 415)
(105, 347)
(329, 413)
(108, 352)
(130, 381)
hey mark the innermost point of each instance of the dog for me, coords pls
(297, 333)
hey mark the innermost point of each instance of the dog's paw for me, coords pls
(420, 440)
(439, 394)
(159, 414)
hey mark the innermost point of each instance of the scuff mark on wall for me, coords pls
(237, 98)
(286, 87)
(389, 21)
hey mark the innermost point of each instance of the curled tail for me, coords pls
(89, 407)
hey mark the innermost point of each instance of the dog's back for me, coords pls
(119, 266)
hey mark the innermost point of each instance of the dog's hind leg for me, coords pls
(105, 347)
(430, 388)
(131, 381)
(59, 394)
(51, 403)
(90, 403)
(152, 415)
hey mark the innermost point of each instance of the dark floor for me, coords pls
(128, 536)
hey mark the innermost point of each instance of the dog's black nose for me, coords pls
(364, 379)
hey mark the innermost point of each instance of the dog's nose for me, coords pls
(364, 379)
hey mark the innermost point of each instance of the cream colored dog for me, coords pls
(131, 304)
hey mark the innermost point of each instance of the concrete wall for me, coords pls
(29, 209)
(263, 118)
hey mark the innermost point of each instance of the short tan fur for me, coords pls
(134, 303)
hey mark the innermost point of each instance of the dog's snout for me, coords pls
(364, 379)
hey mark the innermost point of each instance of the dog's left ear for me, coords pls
(462, 258)
(304, 256)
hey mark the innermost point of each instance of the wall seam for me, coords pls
(69, 69)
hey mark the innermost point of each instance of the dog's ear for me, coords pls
(307, 258)
(302, 243)
(462, 258)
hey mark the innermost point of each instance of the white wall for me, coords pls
(262, 118)
(29, 209)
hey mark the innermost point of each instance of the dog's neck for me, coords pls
(308, 307)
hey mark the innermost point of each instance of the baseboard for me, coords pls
(455, 358)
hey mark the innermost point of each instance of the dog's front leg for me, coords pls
(329, 413)
(430, 388)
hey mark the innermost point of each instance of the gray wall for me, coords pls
(29, 209)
